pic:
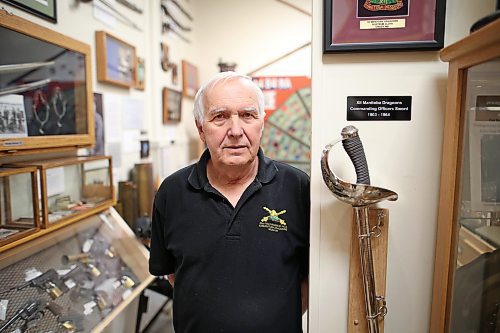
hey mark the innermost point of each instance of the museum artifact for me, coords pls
(360, 195)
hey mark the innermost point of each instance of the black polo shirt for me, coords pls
(237, 269)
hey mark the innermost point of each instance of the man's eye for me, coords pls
(219, 116)
(248, 115)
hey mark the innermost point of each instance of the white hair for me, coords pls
(199, 100)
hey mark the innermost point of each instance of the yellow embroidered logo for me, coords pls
(273, 222)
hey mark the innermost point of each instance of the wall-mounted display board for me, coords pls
(45, 89)
(467, 268)
(75, 279)
(72, 188)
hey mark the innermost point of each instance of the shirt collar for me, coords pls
(198, 176)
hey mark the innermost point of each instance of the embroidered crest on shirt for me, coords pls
(273, 221)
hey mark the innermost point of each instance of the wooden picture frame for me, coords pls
(172, 105)
(367, 25)
(190, 83)
(465, 292)
(116, 60)
(140, 74)
(46, 10)
(47, 56)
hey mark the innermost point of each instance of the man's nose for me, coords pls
(235, 126)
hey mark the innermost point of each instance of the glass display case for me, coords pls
(19, 212)
(74, 279)
(73, 187)
(466, 296)
(45, 89)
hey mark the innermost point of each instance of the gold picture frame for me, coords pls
(172, 105)
(190, 83)
(116, 60)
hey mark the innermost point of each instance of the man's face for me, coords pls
(232, 127)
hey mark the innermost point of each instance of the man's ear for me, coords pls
(200, 130)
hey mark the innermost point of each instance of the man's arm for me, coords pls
(304, 292)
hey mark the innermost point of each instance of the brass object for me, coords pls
(54, 291)
(127, 282)
(93, 270)
(143, 178)
(69, 259)
(127, 192)
(69, 326)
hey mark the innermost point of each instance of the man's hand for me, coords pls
(304, 293)
(171, 279)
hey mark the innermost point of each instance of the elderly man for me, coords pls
(232, 230)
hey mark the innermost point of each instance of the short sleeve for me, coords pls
(161, 261)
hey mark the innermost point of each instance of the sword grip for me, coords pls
(354, 149)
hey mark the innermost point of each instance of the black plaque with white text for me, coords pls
(378, 107)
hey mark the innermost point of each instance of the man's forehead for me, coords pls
(230, 97)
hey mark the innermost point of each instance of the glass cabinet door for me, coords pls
(476, 284)
(45, 88)
(18, 205)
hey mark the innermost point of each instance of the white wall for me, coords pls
(253, 33)
(402, 156)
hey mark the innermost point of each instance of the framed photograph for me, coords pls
(172, 105)
(145, 148)
(116, 60)
(45, 9)
(99, 125)
(12, 117)
(383, 25)
(190, 83)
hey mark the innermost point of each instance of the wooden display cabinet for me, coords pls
(19, 212)
(73, 188)
(95, 268)
(467, 267)
(46, 100)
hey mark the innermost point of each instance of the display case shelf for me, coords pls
(86, 274)
(72, 188)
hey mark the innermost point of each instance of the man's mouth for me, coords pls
(235, 147)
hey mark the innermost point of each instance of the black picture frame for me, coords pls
(368, 28)
(36, 8)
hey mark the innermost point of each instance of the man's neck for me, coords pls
(228, 176)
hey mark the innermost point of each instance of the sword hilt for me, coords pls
(354, 149)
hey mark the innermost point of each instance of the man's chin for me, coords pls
(236, 160)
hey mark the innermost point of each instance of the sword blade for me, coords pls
(367, 271)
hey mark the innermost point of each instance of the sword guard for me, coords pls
(357, 195)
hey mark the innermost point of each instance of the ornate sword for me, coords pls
(360, 195)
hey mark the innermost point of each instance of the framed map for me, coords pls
(287, 130)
